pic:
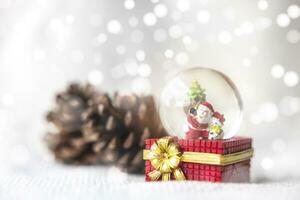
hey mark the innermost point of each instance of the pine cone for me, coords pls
(66, 140)
(70, 104)
(142, 121)
(91, 128)
(104, 125)
(121, 127)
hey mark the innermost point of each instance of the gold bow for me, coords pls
(165, 157)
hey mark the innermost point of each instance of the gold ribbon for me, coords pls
(165, 157)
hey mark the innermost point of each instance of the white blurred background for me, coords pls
(137, 45)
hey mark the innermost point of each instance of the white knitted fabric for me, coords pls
(41, 180)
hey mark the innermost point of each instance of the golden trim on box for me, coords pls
(211, 158)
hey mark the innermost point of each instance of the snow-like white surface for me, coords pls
(53, 181)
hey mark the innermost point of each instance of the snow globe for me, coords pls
(202, 111)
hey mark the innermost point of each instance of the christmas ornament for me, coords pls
(204, 107)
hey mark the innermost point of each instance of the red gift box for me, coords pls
(232, 170)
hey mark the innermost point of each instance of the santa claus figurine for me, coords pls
(204, 123)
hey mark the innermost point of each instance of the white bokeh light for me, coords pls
(131, 67)
(129, 4)
(246, 62)
(70, 19)
(203, 16)
(175, 31)
(120, 49)
(283, 20)
(183, 5)
(247, 27)
(144, 70)
(262, 4)
(238, 31)
(160, 10)
(95, 77)
(225, 37)
(293, 11)
(187, 40)
(114, 26)
(263, 23)
(169, 53)
(290, 105)
(291, 79)
(140, 55)
(149, 19)
(102, 38)
(191, 45)
(277, 71)
(293, 36)
(269, 111)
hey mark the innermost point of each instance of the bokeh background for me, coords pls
(136, 45)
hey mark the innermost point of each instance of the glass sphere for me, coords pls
(219, 90)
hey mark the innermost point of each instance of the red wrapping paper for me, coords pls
(237, 172)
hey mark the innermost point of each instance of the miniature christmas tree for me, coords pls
(196, 93)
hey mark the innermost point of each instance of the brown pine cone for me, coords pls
(90, 128)
(104, 125)
(121, 128)
(70, 104)
(142, 121)
(66, 140)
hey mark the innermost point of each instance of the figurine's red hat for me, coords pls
(208, 105)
